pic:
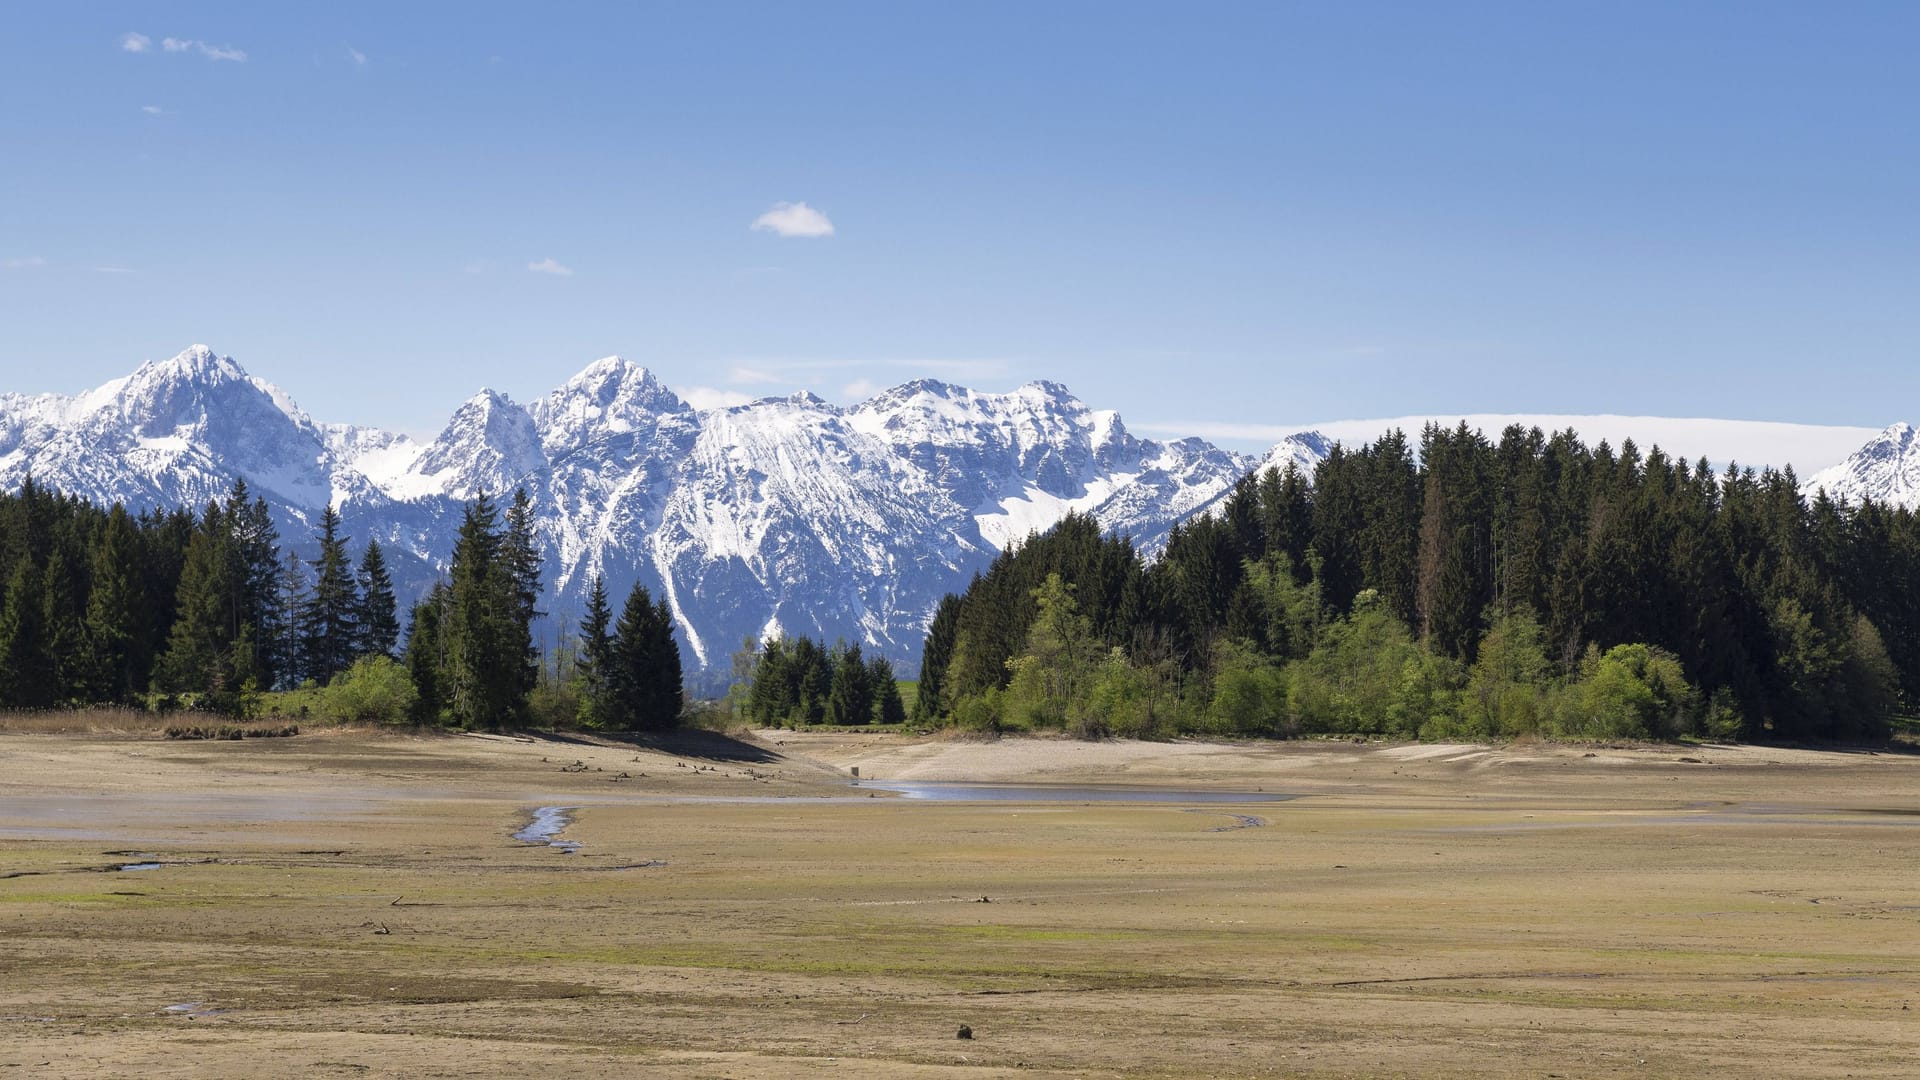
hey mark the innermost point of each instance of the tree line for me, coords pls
(795, 680)
(1480, 587)
(203, 609)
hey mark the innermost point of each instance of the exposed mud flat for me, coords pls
(359, 905)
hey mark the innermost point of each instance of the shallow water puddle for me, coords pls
(547, 825)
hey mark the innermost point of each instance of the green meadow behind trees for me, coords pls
(1482, 589)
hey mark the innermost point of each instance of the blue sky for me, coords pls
(1213, 217)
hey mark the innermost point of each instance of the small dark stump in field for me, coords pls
(965, 1032)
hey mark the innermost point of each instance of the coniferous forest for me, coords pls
(205, 611)
(1472, 589)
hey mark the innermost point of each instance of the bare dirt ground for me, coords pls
(354, 904)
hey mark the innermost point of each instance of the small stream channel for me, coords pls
(547, 825)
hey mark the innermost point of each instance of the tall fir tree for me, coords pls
(596, 656)
(645, 683)
(24, 681)
(521, 557)
(200, 643)
(888, 707)
(935, 655)
(426, 655)
(255, 550)
(377, 622)
(328, 635)
(850, 700)
(484, 627)
(63, 626)
(113, 623)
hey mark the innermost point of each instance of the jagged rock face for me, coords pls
(788, 514)
(174, 432)
(1019, 462)
(1886, 470)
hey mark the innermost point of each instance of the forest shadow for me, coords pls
(684, 742)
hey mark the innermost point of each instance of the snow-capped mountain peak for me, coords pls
(787, 513)
(491, 445)
(1886, 470)
(611, 396)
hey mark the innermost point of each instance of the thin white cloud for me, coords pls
(211, 52)
(860, 389)
(28, 262)
(550, 266)
(746, 376)
(712, 397)
(114, 270)
(1806, 447)
(359, 58)
(153, 110)
(135, 43)
(795, 219)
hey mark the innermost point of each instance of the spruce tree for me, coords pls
(377, 621)
(328, 634)
(290, 601)
(931, 702)
(813, 681)
(484, 627)
(256, 553)
(850, 701)
(645, 681)
(200, 643)
(113, 622)
(24, 682)
(888, 708)
(426, 654)
(64, 634)
(596, 656)
(521, 556)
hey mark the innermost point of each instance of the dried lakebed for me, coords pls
(359, 905)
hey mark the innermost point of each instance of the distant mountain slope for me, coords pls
(784, 514)
(1886, 470)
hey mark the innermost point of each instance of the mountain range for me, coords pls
(786, 514)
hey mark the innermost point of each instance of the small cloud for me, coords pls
(29, 262)
(359, 58)
(113, 270)
(135, 42)
(477, 266)
(211, 52)
(153, 110)
(550, 266)
(794, 220)
(860, 389)
(709, 397)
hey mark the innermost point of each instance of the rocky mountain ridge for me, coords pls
(786, 514)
